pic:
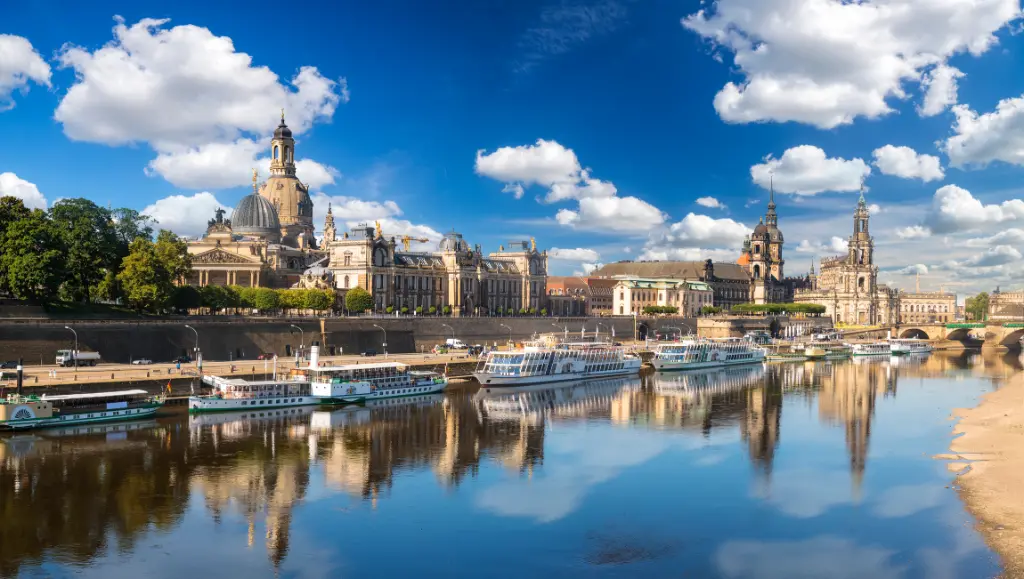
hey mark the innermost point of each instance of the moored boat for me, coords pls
(827, 351)
(872, 349)
(231, 394)
(699, 353)
(356, 383)
(540, 364)
(18, 411)
(903, 346)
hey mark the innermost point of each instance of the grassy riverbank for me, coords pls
(992, 443)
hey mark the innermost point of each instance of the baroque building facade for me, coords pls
(927, 307)
(729, 282)
(268, 241)
(455, 275)
(762, 257)
(632, 295)
(847, 286)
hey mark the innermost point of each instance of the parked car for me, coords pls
(370, 352)
(182, 360)
(9, 365)
(142, 362)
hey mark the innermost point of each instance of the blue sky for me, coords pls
(428, 116)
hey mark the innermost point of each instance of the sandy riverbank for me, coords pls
(992, 443)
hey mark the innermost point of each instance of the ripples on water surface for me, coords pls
(799, 470)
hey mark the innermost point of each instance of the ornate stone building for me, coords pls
(455, 275)
(248, 249)
(927, 308)
(632, 295)
(848, 285)
(1006, 306)
(763, 260)
(730, 282)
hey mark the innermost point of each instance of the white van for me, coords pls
(455, 344)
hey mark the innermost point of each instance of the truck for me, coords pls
(455, 344)
(69, 357)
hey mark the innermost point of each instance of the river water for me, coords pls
(797, 470)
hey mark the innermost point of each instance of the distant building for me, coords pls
(961, 312)
(455, 275)
(632, 295)
(762, 257)
(848, 285)
(568, 296)
(729, 282)
(927, 308)
(1006, 305)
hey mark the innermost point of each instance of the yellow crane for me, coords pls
(406, 239)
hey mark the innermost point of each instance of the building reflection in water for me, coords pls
(70, 496)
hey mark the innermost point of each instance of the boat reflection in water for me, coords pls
(268, 492)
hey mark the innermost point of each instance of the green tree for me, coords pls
(319, 300)
(173, 253)
(31, 259)
(405, 310)
(432, 311)
(186, 297)
(90, 241)
(358, 300)
(390, 309)
(977, 307)
(143, 279)
(108, 288)
(129, 225)
(265, 299)
(707, 310)
(419, 310)
(447, 310)
(12, 209)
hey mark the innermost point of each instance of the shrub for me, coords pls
(419, 310)
(390, 309)
(405, 310)
(432, 310)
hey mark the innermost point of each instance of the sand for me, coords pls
(992, 484)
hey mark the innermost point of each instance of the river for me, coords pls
(779, 471)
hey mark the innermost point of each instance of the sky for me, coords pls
(607, 130)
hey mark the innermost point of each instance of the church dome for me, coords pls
(282, 131)
(255, 215)
(453, 242)
(761, 229)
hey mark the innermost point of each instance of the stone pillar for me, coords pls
(252, 279)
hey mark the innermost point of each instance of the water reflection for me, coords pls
(533, 456)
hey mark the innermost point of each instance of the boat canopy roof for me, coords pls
(89, 395)
(379, 366)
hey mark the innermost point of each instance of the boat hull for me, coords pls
(899, 351)
(496, 381)
(101, 416)
(203, 404)
(385, 393)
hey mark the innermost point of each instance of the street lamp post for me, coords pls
(74, 353)
(302, 338)
(195, 351)
(452, 329)
(509, 335)
(385, 343)
(598, 336)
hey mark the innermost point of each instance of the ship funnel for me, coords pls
(314, 356)
(21, 375)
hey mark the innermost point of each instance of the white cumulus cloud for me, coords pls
(578, 254)
(827, 62)
(834, 245)
(941, 90)
(710, 202)
(906, 163)
(1012, 236)
(544, 163)
(916, 269)
(955, 209)
(191, 96)
(186, 215)
(998, 255)
(19, 65)
(696, 237)
(913, 232)
(13, 186)
(980, 139)
(806, 170)
(616, 214)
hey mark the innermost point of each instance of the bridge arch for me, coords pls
(959, 335)
(1012, 339)
(917, 333)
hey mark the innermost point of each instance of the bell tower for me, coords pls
(282, 151)
(329, 230)
(862, 246)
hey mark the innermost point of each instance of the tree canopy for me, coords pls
(801, 308)
(150, 270)
(358, 300)
(977, 307)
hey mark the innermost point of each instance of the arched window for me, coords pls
(757, 272)
(277, 152)
(288, 154)
(346, 281)
(860, 283)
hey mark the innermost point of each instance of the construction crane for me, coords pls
(406, 239)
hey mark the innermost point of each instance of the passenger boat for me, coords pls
(565, 362)
(706, 353)
(872, 349)
(902, 346)
(230, 394)
(827, 351)
(357, 383)
(19, 412)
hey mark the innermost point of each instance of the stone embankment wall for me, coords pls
(230, 337)
(736, 327)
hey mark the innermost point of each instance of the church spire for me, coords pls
(282, 150)
(771, 218)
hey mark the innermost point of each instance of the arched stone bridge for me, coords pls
(989, 333)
